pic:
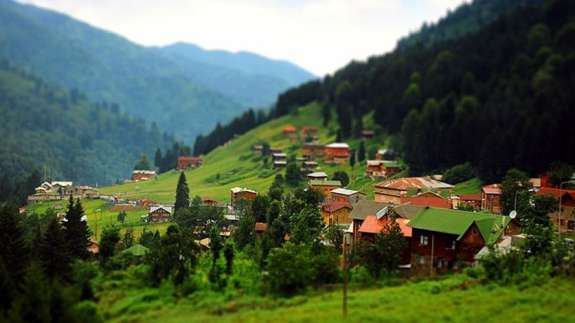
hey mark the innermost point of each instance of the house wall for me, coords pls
(159, 215)
(384, 196)
(491, 203)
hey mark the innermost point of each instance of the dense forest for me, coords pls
(498, 97)
(65, 137)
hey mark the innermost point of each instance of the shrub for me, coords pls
(360, 275)
(289, 269)
(459, 173)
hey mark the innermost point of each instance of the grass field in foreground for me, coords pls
(455, 299)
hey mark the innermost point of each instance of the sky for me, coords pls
(318, 35)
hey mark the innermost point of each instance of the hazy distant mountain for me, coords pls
(248, 78)
(146, 82)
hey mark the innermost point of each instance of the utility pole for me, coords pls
(432, 251)
(344, 249)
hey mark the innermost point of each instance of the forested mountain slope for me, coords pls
(500, 97)
(47, 128)
(248, 78)
(144, 82)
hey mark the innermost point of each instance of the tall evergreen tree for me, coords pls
(158, 158)
(182, 193)
(361, 152)
(53, 251)
(13, 248)
(76, 230)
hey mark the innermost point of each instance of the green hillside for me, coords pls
(235, 165)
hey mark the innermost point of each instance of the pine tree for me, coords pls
(182, 193)
(13, 248)
(361, 152)
(53, 251)
(158, 158)
(76, 230)
(352, 159)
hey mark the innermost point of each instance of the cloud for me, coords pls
(319, 35)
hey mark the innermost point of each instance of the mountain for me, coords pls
(248, 78)
(498, 97)
(47, 128)
(150, 83)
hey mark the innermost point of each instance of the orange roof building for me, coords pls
(427, 199)
(392, 191)
(563, 219)
(185, 162)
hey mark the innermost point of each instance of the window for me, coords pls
(423, 240)
(453, 243)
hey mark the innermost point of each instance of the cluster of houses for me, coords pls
(59, 190)
(182, 163)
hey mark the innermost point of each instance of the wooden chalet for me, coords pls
(392, 191)
(564, 219)
(376, 224)
(208, 201)
(337, 153)
(442, 238)
(143, 175)
(345, 195)
(472, 200)
(289, 131)
(336, 212)
(159, 214)
(491, 198)
(308, 166)
(187, 162)
(318, 176)
(325, 187)
(312, 151)
(361, 210)
(238, 194)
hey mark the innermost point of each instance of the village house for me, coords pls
(241, 194)
(391, 191)
(159, 214)
(337, 153)
(376, 224)
(260, 228)
(308, 166)
(208, 201)
(84, 191)
(186, 162)
(143, 175)
(312, 151)
(564, 218)
(346, 195)
(325, 186)
(470, 200)
(51, 191)
(367, 134)
(279, 156)
(289, 131)
(318, 176)
(427, 199)
(336, 212)
(491, 198)
(442, 238)
(382, 168)
(361, 210)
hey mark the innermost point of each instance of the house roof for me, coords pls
(236, 190)
(556, 193)
(146, 172)
(190, 158)
(407, 211)
(165, 208)
(403, 184)
(261, 227)
(470, 197)
(279, 155)
(317, 175)
(365, 207)
(373, 225)
(457, 222)
(427, 199)
(374, 162)
(332, 206)
(289, 129)
(493, 189)
(62, 183)
(314, 182)
(338, 145)
(280, 162)
(344, 191)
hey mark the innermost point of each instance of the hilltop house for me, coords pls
(308, 166)
(185, 162)
(312, 151)
(564, 219)
(392, 191)
(319, 176)
(241, 194)
(491, 198)
(337, 153)
(346, 195)
(159, 214)
(143, 175)
(442, 238)
(382, 168)
(51, 191)
(336, 212)
(325, 186)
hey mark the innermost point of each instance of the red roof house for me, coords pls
(185, 162)
(429, 199)
(563, 219)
